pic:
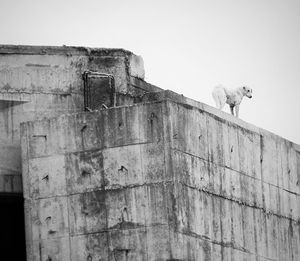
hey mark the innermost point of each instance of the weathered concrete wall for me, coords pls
(39, 82)
(168, 179)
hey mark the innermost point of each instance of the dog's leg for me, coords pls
(237, 108)
(231, 109)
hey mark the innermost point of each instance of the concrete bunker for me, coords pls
(151, 175)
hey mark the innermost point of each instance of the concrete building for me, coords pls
(114, 168)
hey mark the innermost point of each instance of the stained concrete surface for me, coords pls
(41, 81)
(165, 179)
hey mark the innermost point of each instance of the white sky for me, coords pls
(188, 46)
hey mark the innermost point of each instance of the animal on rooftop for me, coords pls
(233, 97)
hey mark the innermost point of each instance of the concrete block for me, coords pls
(51, 249)
(84, 171)
(130, 208)
(155, 163)
(226, 182)
(237, 231)
(180, 245)
(235, 183)
(49, 218)
(226, 222)
(196, 213)
(136, 207)
(108, 128)
(158, 243)
(41, 73)
(47, 176)
(283, 240)
(273, 237)
(232, 160)
(266, 197)
(187, 210)
(226, 253)
(217, 253)
(134, 165)
(294, 206)
(39, 139)
(188, 130)
(282, 163)
(249, 229)
(285, 203)
(248, 189)
(133, 124)
(294, 234)
(249, 152)
(87, 213)
(274, 199)
(90, 247)
(136, 64)
(293, 176)
(269, 155)
(260, 228)
(241, 255)
(84, 131)
(122, 166)
(192, 170)
(216, 218)
(165, 244)
(256, 192)
(129, 244)
(215, 140)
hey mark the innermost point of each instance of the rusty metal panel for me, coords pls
(99, 90)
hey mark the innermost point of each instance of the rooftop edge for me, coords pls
(61, 50)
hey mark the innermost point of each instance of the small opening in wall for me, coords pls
(12, 236)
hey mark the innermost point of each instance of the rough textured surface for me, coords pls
(41, 82)
(166, 179)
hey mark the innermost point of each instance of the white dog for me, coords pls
(233, 97)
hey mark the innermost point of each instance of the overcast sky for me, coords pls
(188, 46)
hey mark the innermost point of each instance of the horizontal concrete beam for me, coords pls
(15, 96)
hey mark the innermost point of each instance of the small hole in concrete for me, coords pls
(85, 172)
(123, 168)
(83, 128)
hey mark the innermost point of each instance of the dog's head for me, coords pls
(247, 91)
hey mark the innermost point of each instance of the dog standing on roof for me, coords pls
(232, 97)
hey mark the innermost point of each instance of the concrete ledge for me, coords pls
(15, 96)
(61, 50)
(221, 115)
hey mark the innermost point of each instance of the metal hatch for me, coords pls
(99, 90)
